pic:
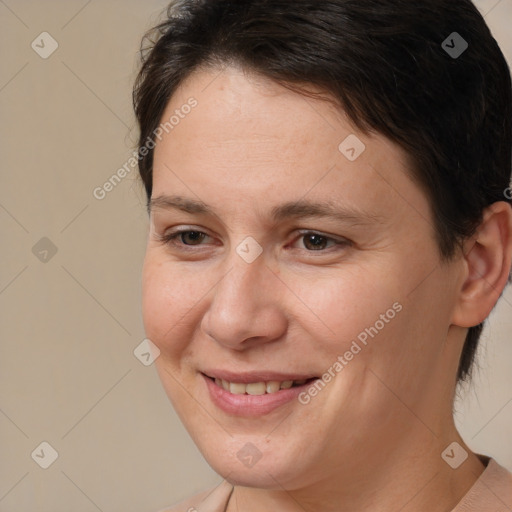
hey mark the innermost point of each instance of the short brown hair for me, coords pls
(387, 64)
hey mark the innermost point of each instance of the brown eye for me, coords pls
(314, 242)
(183, 238)
(195, 237)
(318, 242)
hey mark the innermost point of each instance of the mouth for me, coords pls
(261, 387)
(252, 395)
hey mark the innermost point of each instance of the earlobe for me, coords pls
(487, 259)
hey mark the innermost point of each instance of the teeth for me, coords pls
(257, 388)
(273, 386)
(286, 384)
(237, 388)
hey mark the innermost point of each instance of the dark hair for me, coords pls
(387, 63)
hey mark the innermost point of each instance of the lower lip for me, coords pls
(252, 405)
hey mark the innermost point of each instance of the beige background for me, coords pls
(68, 374)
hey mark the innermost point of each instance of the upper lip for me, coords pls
(255, 376)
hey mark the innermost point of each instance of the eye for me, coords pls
(319, 242)
(312, 241)
(183, 237)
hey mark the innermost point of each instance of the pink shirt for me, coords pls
(492, 492)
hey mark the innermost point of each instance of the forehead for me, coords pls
(249, 139)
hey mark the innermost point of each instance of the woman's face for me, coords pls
(305, 254)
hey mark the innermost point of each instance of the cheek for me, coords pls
(168, 301)
(350, 307)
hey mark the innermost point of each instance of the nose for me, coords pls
(246, 307)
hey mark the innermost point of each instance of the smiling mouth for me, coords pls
(259, 388)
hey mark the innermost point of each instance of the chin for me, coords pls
(261, 478)
(251, 479)
(270, 471)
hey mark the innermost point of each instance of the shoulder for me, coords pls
(498, 477)
(491, 492)
(213, 499)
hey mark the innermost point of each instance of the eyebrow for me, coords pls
(291, 210)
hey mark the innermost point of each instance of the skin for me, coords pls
(372, 438)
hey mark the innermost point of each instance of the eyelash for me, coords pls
(171, 238)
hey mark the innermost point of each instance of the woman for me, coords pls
(329, 229)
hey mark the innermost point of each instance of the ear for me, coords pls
(487, 262)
